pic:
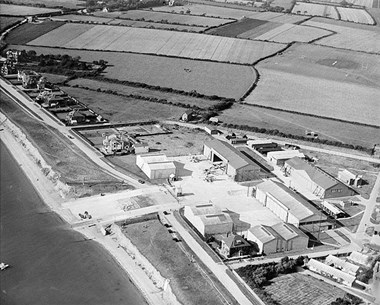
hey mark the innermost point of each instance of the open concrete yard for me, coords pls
(301, 289)
(157, 42)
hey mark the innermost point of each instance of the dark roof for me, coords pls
(233, 241)
(317, 175)
(235, 158)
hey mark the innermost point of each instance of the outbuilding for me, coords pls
(349, 178)
(156, 166)
(279, 157)
(237, 165)
(331, 272)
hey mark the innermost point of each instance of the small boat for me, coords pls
(3, 266)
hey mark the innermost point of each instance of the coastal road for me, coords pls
(219, 270)
(37, 112)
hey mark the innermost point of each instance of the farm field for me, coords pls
(366, 3)
(21, 10)
(158, 42)
(324, 22)
(349, 38)
(209, 78)
(29, 31)
(124, 89)
(288, 33)
(118, 109)
(343, 81)
(83, 18)
(286, 4)
(297, 124)
(355, 15)
(223, 12)
(54, 3)
(312, 9)
(157, 25)
(301, 289)
(236, 28)
(6, 22)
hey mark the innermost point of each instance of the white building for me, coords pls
(341, 264)
(208, 219)
(349, 178)
(279, 157)
(156, 166)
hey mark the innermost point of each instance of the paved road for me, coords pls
(93, 154)
(219, 270)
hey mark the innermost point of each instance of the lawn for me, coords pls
(236, 28)
(64, 157)
(118, 109)
(352, 223)
(172, 260)
(29, 31)
(125, 89)
(21, 10)
(209, 78)
(7, 22)
(158, 42)
(301, 289)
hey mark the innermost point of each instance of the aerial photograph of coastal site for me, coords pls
(190, 152)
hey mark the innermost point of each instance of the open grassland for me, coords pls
(7, 22)
(62, 155)
(29, 31)
(325, 22)
(158, 42)
(54, 3)
(21, 10)
(288, 33)
(286, 4)
(375, 13)
(236, 28)
(207, 78)
(173, 261)
(297, 124)
(313, 9)
(127, 90)
(321, 81)
(355, 15)
(118, 109)
(301, 289)
(366, 3)
(349, 38)
(224, 12)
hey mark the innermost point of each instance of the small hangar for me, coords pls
(238, 166)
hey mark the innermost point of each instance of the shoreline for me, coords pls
(52, 199)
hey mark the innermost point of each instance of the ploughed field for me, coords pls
(209, 78)
(321, 81)
(21, 10)
(157, 42)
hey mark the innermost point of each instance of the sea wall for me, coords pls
(35, 156)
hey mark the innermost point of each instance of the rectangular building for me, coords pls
(156, 166)
(331, 272)
(279, 157)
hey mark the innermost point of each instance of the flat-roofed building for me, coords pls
(263, 146)
(287, 205)
(315, 180)
(208, 219)
(279, 157)
(156, 166)
(238, 166)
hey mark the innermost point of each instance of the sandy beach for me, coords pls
(153, 293)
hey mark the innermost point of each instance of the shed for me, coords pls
(349, 178)
(332, 209)
(141, 147)
(279, 157)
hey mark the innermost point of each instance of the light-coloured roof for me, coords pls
(287, 231)
(161, 165)
(205, 209)
(360, 258)
(235, 158)
(259, 142)
(213, 219)
(285, 154)
(298, 206)
(331, 207)
(347, 175)
(317, 265)
(263, 233)
(153, 158)
(315, 174)
(342, 264)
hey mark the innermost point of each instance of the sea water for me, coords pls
(50, 263)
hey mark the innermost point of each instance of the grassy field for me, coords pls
(313, 9)
(21, 10)
(355, 15)
(236, 28)
(298, 124)
(29, 31)
(54, 3)
(158, 42)
(172, 260)
(6, 22)
(341, 81)
(208, 78)
(118, 109)
(324, 22)
(286, 4)
(349, 37)
(301, 289)
(124, 89)
(64, 157)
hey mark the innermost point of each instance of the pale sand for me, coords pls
(51, 197)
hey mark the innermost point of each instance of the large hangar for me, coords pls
(238, 166)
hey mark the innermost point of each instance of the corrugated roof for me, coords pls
(235, 158)
(315, 174)
(298, 206)
(342, 264)
(314, 264)
(287, 231)
(263, 233)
